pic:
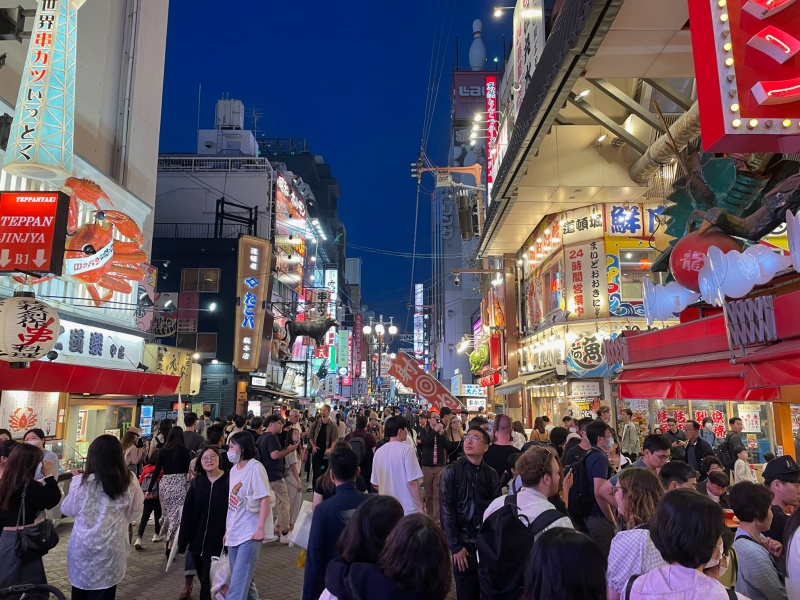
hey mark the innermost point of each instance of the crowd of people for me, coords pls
(405, 505)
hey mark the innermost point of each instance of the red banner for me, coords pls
(489, 380)
(409, 374)
(33, 227)
(746, 64)
(358, 342)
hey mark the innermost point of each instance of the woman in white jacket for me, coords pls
(103, 500)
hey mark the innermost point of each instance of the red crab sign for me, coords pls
(747, 61)
(104, 253)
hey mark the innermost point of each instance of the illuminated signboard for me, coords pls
(491, 123)
(358, 332)
(40, 143)
(33, 227)
(290, 234)
(746, 64)
(252, 287)
(419, 320)
(343, 348)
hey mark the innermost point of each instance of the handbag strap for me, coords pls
(21, 515)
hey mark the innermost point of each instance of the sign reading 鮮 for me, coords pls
(41, 139)
(33, 227)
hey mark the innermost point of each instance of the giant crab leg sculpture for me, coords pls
(93, 257)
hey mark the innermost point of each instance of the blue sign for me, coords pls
(379, 381)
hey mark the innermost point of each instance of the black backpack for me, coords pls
(581, 495)
(359, 446)
(722, 450)
(503, 544)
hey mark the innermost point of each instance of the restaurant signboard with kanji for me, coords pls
(252, 290)
(747, 61)
(33, 228)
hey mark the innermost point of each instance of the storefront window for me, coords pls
(756, 418)
(87, 422)
(716, 410)
(635, 266)
(664, 409)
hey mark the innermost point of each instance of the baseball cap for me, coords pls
(782, 468)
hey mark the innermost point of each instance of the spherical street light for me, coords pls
(392, 329)
(367, 330)
(379, 329)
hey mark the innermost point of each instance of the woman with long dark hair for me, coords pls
(160, 438)
(132, 449)
(172, 465)
(104, 499)
(550, 572)
(18, 480)
(539, 432)
(361, 541)
(294, 484)
(6, 447)
(204, 514)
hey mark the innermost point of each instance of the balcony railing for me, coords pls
(198, 230)
(200, 164)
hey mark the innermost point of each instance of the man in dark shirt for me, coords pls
(273, 457)
(256, 428)
(369, 446)
(329, 521)
(191, 438)
(600, 522)
(433, 459)
(677, 440)
(696, 447)
(782, 477)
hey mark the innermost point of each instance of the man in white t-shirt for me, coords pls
(395, 468)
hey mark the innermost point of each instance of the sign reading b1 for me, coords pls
(33, 228)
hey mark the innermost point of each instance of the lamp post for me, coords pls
(376, 333)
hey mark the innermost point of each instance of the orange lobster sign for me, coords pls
(32, 231)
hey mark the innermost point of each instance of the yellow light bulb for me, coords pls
(736, 123)
(723, 18)
(734, 108)
(727, 46)
(722, 3)
(729, 62)
(787, 123)
(753, 123)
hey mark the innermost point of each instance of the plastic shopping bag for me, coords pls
(302, 526)
(220, 576)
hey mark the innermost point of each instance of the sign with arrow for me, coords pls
(33, 229)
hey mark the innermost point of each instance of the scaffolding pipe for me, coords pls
(683, 131)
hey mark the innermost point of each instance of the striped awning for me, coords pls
(515, 385)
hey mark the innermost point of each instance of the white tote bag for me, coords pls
(302, 526)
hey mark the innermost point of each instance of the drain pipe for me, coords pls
(126, 103)
(684, 130)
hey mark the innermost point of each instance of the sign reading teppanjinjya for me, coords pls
(406, 369)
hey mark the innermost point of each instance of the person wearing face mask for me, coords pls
(35, 437)
(707, 432)
(758, 576)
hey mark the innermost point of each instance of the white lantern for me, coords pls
(29, 329)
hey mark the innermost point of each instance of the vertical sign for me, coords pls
(41, 139)
(528, 44)
(252, 287)
(358, 333)
(585, 294)
(419, 320)
(332, 284)
(145, 298)
(342, 347)
(747, 59)
(491, 124)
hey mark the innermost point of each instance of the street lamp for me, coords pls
(376, 333)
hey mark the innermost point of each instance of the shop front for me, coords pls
(755, 380)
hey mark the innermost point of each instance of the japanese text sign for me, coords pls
(491, 123)
(252, 289)
(746, 65)
(358, 343)
(407, 371)
(582, 224)
(41, 139)
(33, 228)
(586, 293)
(94, 346)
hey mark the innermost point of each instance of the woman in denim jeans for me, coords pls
(248, 508)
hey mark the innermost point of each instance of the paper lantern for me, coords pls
(689, 255)
(29, 329)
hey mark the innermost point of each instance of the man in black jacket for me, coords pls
(467, 487)
(433, 459)
(696, 447)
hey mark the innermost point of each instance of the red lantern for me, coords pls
(689, 255)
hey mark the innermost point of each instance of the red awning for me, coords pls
(776, 365)
(710, 379)
(78, 379)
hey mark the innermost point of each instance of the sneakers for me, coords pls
(157, 538)
(138, 543)
(284, 539)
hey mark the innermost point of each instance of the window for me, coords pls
(200, 280)
(552, 289)
(635, 266)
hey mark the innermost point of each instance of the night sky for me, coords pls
(352, 80)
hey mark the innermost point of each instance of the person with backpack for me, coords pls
(433, 458)
(586, 504)
(466, 489)
(272, 455)
(363, 444)
(512, 522)
(725, 449)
